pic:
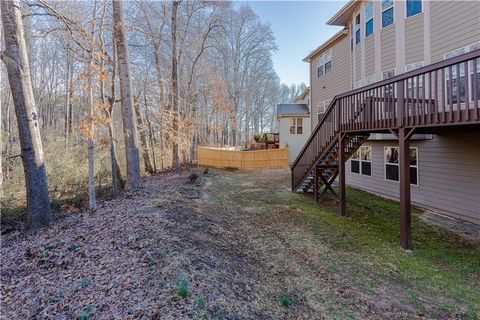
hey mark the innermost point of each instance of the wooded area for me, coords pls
(171, 76)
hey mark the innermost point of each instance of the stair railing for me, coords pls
(443, 93)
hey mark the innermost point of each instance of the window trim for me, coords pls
(398, 165)
(392, 6)
(416, 14)
(360, 160)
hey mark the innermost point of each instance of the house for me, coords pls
(293, 127)
(398, 115)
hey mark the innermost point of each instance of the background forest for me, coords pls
(201, 75)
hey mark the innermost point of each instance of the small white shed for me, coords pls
(294, 127)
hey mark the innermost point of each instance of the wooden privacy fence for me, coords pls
(258, 159)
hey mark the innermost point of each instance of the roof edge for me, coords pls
(339, 18)
(324, 45)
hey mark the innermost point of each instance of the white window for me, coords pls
(370, 79)
(415, 82)
(322, 108)
(324, 63)
(414, 66)
(361, 161)
(392, 160)
(387, 74)
(387, 13)
(296, 125)
(451, 86)
(358, 84)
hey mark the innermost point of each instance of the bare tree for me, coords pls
(16, 60)
(174, 94)
(128, 113)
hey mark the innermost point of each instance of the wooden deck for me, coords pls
(440, 96)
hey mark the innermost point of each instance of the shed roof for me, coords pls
(292, 109)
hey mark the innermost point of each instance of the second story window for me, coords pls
(357, 29)
(414, 7)
(387, 13)
(324, 64)
(369, 19)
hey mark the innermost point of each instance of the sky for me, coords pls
(299, 27)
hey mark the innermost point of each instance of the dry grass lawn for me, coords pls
(236, 245)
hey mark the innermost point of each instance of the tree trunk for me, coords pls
(175, 157)
(128, 113)
(117, 182)
(16, 61)
(147, 160)
(67, 95)
(92, 198)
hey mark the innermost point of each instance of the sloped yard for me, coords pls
(234, 245)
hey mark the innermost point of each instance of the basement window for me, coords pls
(361, 161)
(392, 160)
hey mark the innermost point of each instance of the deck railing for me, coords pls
(440, 94)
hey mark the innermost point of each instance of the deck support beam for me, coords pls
(405, 196)
(315, 183)
(341, 174)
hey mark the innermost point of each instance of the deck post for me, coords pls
(315, 184)
(341, 174)
(405, 200)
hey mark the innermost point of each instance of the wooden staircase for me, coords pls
(327, 167)
(399, 106)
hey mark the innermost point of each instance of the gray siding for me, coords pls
(448, 174)
(414, 43)
(447, 36)
(370, 55)
(388, 48)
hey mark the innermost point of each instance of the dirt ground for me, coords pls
(229, 245)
